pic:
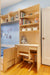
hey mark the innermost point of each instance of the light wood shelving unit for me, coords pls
(10, 18)
(31, 24)
(30, 34)
(4, 18)
(30, 14)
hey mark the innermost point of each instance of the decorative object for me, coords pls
(12, 18)
(24, 40)
(35, 28)
(28, 29)
(23, 29)
(36, 20)
(6, 20)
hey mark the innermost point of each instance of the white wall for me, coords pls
(25, 4)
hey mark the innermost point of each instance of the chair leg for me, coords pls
(31, 67)
(20, 64)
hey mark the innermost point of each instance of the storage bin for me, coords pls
(23, 29)
(35, 28)
(28, 29)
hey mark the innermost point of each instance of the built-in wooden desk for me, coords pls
(27, 48)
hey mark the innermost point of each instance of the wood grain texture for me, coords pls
(23, 70)
(33, 37)
(9, 57)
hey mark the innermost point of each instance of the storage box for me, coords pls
(35, 28)
(28, 29)
(23, 29)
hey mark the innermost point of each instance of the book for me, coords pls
(21, 22)
(22, 14)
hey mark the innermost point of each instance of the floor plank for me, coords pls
(23, 70)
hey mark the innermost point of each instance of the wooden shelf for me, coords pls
(23, 54)
(12, 22)
(10, 18)
(31, 16)
(36, 45)
(31, 24)
(28, 60)
(4, 18)
(13, 13)
(29, 31)
(35, 49)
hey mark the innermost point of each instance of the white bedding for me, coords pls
(1, 63)
(1, 60)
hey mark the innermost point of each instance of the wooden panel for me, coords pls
(44, 70)
(32, 37)
(23, 48)
(10, 63)
(18, 59)
(8, 58)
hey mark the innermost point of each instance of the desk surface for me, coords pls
(35, 45)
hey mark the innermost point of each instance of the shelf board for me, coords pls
(12, 22)
(34, 45)
(29, 31)
(31, 16)
(23, 54)
(28, 60)
(29, 24)
(4, 16)
(13, 13)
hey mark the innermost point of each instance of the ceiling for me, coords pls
(6, 3)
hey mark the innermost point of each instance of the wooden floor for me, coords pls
(23, 70)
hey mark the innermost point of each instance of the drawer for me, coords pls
(23, 48)
(8, 59)
(10, 63)
(33, 48)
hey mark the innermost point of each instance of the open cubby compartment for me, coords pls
(13, 16)
(29, 21)
(30, 15)
(4, 19)
(29, 28)
(31, 37)
(33, 57)
(30, 31)
(30, 11)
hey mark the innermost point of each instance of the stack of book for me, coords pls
(24, 21)
(22, 14)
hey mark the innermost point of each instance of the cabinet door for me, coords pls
(46, 36)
